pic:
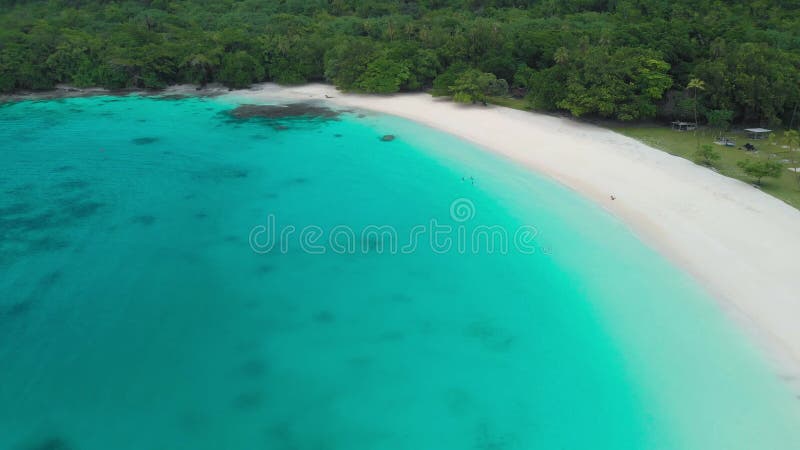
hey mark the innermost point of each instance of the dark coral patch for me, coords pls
(49, 280)
(21, 224)
(51, 443)
(324, 317)
(237, 173)
(248, 401)
(253, 369)
(21, 189)
(18, 309)
(144, 140)
(15, 209)
(72, 185)
(222, 173)
(291, 110)
(265, 269)
(47, 244)
(296, 181)
(83, 209)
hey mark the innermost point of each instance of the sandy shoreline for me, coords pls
(741, 243)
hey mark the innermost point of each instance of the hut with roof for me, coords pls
(757, 133)
(683, 126)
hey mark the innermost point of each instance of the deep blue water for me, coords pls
(135, 313)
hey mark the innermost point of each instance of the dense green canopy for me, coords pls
(625, 59)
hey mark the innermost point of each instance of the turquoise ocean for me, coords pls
(135, 313)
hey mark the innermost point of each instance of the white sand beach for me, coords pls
(739, 242)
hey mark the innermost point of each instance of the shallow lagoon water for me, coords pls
(134, 313)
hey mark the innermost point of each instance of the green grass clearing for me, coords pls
(684, 144)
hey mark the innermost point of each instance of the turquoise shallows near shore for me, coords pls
(135, 315)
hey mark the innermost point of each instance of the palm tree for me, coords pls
(561, 56)
(696, 84)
